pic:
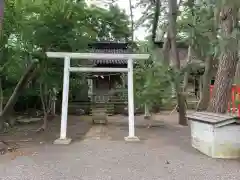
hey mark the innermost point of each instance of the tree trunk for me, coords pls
(237, 74)
(186, 74)
(44, 106)
(155, 20)
(132, 23)
(53, 102)
(228, 62)
(207, 76)
(200, 87)
(28, 75)
(1, 96)
(166, 45)
(146, 111)
(165, 51)
(172, 32)
(190, 4)
(2, 4)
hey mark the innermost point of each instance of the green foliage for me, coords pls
(152, 83)
(31, 29)
(148, 9)
(198, 24)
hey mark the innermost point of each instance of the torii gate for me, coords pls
(67, 69)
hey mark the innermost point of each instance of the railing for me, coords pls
(110, 96)
(100, 98)
(234, 102)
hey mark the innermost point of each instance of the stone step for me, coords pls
(98, 111)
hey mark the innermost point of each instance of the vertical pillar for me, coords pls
(200, 87)
(54, 99)
(63, 132)
(146, 111)
(173, 90)
(90, 87)
(131, 135)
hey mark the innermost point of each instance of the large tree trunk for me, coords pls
(167, 44)
(1, 96)
(228, 61)
(43, 96)
(186, 74)
(190, 4)
(165, 50)
(27, 76)
(172, 33)
(1, 13)
(132, 23)
(155, 20)
(237, 74)
(154, 46)
(1, 22)
(207, 76)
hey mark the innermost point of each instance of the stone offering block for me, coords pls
(216, 135)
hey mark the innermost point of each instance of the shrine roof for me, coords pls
(111, 48)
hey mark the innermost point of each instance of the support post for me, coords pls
(146, 111)
(131, 135)
(63, 132)
(90, 87)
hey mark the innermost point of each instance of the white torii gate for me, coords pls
(67, 69)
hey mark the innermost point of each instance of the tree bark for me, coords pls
(165, 50)
(186, 74)
(228, 61)
(1, 96)
(155, 20)
(44, 106)
(132, 23)
(167, 44)
(190, 49)
(237, 74)
(2, 4)
(172, 32)
(207, 76)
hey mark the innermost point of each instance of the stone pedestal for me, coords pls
(63, 141)
(132, 139)
(99, 116)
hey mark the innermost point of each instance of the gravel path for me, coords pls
(164, 154)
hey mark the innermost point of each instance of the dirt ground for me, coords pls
(27, 135)
(100, 153)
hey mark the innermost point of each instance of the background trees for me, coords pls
(211, 31)
(31, 29)
(209, 28)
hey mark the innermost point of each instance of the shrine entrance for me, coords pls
(68, 68)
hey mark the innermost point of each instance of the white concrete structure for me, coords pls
(215, 135)
(67, 69)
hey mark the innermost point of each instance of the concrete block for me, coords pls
(63, 141)
(132, 139)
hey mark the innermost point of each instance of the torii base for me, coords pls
(63, 141)
(132, 139)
